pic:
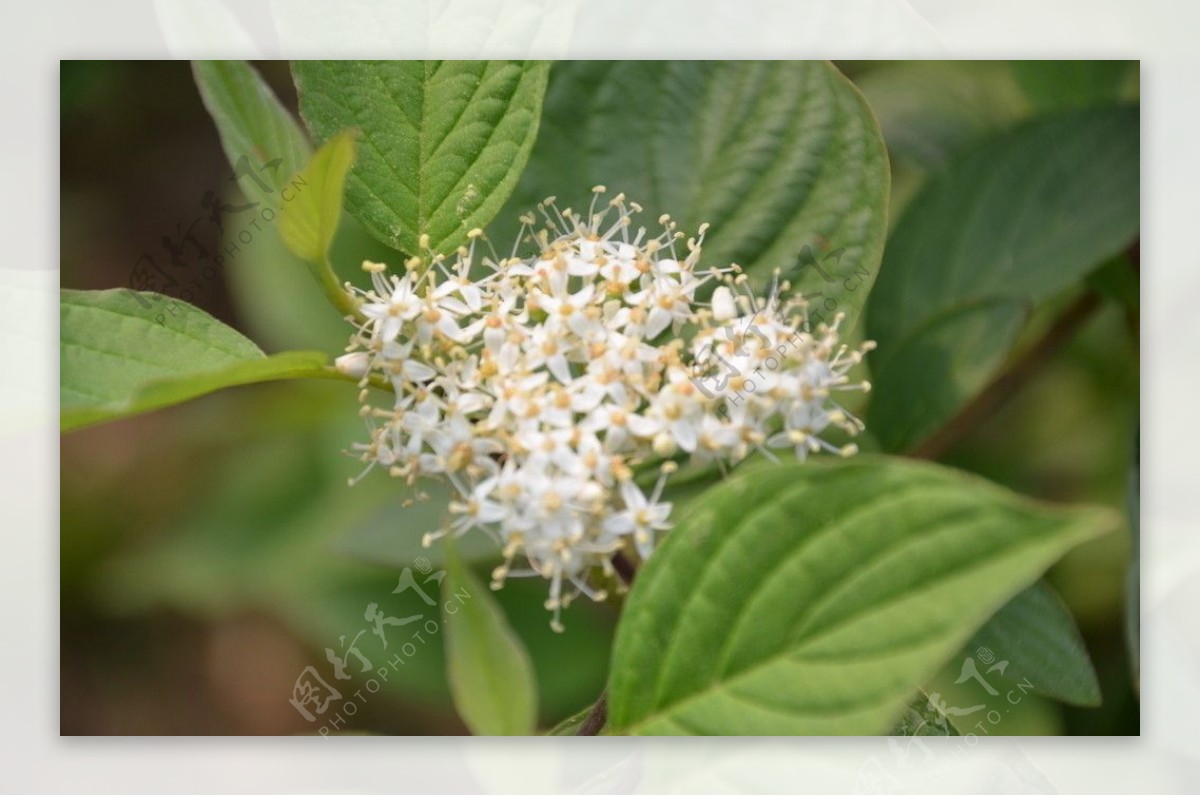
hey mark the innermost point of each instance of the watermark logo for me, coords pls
(173, 272)
(318, 699)
(915, 765)
(311, 695)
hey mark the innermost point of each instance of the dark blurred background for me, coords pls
(211, 551)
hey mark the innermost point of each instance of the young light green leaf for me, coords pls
(1058, 85)
(1015, 220)
(487, 667)
(444, 142)
(264, 144)
(783, 158)
(821, 607)
(308, 223)
(1037, 635)
(123, 353)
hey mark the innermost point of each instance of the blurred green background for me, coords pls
(208, 551)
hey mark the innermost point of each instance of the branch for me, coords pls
(1008, 383)
(626, 569)
(594, 723)
(595, 720)
(335, 292)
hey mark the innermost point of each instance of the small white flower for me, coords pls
(392, 309)
(641, 518)
(538, 388)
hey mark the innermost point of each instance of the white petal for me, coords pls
(557, 365)
(418, 371)
(643, 426)
(685, 434)
(658, 321)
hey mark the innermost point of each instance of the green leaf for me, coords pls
(930, 110)
(947, 359)
(783, 158)
(920, 718)
(443, 145)
(1037, 635)
(1015, 220)
(487, 667)
(309, 221)
(1058, 85)
(264, 144)
(813, 598)
(123, 353)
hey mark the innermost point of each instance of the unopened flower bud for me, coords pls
(663, 444)
(353, 365)
(723, 307)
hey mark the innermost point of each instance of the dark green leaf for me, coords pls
(123, 353)
(783, 158)
(1036, 634)
(930, 111)
(443, 142)
(813, 598)
(264, 144)
(1014, 221)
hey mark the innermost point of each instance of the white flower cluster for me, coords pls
(537, 386)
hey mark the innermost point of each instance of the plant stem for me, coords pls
(624, 567)
(345, 303)
(594, 723)
(595, 720)
(1008, 383)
